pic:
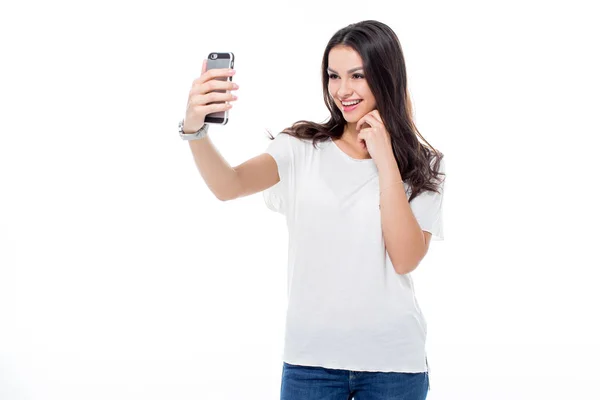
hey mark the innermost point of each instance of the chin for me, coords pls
(353, 117)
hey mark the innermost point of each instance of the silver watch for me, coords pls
(202, 132)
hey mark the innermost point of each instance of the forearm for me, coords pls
(218, 175)
(403, 237)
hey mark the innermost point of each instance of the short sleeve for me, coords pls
(277, 197)
(427, 208)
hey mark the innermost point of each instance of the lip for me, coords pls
(350, 108)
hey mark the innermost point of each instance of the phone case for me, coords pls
(219, 60)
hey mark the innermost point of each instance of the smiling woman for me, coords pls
(352, 313)
(349, 90)
(364, 62)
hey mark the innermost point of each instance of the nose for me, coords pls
(345, 89)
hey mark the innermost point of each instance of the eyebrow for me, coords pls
(349, 71)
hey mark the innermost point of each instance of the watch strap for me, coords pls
(199, 134)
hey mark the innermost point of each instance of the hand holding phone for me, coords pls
(208, 97)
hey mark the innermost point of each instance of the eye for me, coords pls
(358, 76)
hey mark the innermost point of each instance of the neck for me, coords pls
(350, 134)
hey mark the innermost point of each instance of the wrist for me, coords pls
(389, 172)
(187, 130)
(187, 135)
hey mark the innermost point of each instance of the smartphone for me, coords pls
(219, 60)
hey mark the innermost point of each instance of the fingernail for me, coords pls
(235, 86)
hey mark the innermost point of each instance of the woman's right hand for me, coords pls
(203, 93)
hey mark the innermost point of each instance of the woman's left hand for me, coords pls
(375, 138)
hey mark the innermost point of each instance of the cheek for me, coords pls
(332, 90)
(367, 92)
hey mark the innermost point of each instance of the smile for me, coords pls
(351, 105)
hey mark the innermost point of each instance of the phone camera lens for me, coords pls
(213, 56)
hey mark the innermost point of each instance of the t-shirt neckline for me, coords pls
(361, 160)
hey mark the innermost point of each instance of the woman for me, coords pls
(362, 198)
(354, 327)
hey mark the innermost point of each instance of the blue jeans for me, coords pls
(299, 382)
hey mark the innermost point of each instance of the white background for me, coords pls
(123, 277)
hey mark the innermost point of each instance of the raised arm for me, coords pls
(227, 183)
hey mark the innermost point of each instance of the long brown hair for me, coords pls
(385, 72)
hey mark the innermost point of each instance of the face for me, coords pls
(347, 82)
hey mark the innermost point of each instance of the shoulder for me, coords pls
(438, 157)
(296, 143)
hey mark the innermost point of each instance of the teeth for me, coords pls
(351, 103)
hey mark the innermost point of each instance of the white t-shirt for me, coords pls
(347, 306)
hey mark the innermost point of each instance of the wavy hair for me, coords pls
(385, 72)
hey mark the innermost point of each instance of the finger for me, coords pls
(362, 137)
(203, 66)
(369, 119)
(364, 133)
(215, 73)
(360, 123)
(377, 116)
(213, 97)
(376, 121)
(212, 108)
(366, 119)
(213, 85)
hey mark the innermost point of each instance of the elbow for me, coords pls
(402, 271)
(231, 194)
(404, 268)
(224, 197)
(406, 264)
